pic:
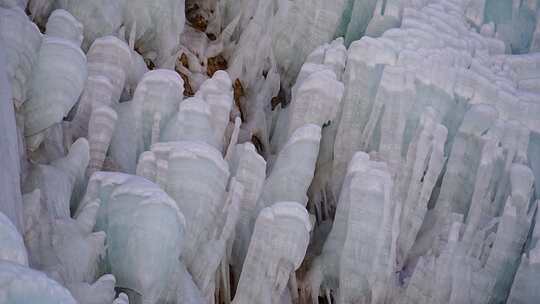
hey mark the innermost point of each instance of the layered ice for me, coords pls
(128, 209)
(380, 151)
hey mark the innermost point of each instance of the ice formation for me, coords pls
(279, 242)
(269, 151)
(128, 214)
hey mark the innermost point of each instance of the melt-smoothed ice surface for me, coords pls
(283, 151)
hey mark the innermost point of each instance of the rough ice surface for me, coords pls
(10, 176)
(279, 242)
(129, 208)
(283, 151)
(21, 284)
(13, 248)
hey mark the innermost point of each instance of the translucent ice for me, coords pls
(278, 245)
(57, 82)
(129, 207)
(24, 285)
(13, 248)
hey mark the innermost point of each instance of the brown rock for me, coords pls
(199, 22)
(215, 64)
(188, 90)
(184, 60)
(238, 94)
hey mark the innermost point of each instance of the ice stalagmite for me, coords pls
(249, 169)
(514, 22)
(205, 116)
(365, 63)
(218, 95)
(524, 289)
(160, 40)
(356, 261)
(316, 100)
(63, 25)
(21, 39)
(196, 176)
(459, 174)
(156, 98)
(109, 59)
(192, 123)
(13, 3)
(278, 245)
(293, 170)
(285, 151)
(10, 176)
(328, 57)
(24, 285)
(141, 121)
(100, 18)
(418, 178)
(128, 209)
(314, 23)
(366, 261)
(101, 128)
(63, 247)
(355, 18)
(57, 82)
(13, 248)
